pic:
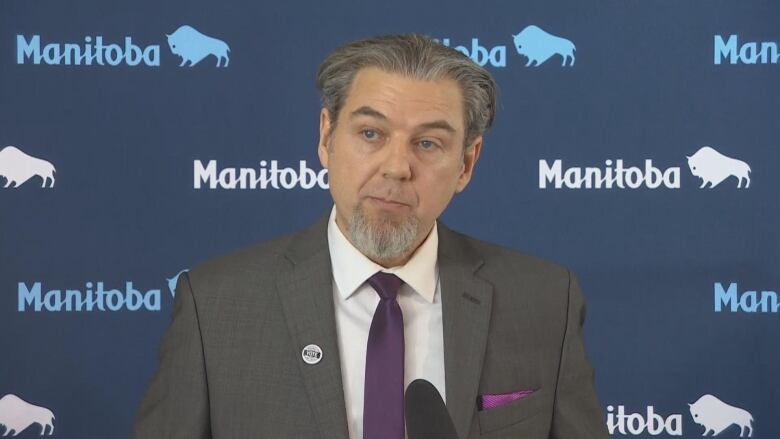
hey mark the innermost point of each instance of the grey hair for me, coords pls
(414, 56)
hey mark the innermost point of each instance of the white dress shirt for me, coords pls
(355, 302)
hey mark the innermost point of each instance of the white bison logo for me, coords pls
(18, 167)
(716, 416)
(539, 46)
(17, 414)
(713, 167)
(192, 46)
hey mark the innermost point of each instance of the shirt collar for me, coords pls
(351, 268)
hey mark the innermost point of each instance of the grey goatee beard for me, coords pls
(383, 239)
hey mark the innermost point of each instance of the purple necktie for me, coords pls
(383, 402)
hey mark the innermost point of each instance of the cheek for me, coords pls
(435, 193)
(346, 177)
(444, 175)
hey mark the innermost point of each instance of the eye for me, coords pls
(370, 134)
(427, 144)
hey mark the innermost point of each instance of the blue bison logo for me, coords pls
(192, 46)
(538, 46)
(173, 281)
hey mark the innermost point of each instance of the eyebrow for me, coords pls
(368, 111)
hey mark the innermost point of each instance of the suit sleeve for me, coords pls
(577, 412)
(176, 404)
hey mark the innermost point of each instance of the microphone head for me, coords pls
(425, 412)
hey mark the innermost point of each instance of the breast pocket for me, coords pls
(514, 412)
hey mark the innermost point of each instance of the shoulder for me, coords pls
(255, 264)
(502, 264)
(262, 260)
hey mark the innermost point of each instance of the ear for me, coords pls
(325, 135)
(470, 157)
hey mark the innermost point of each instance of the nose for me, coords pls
(396, 162)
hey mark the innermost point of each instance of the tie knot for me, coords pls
(386, 284)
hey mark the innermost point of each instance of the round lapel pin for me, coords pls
(311, 354)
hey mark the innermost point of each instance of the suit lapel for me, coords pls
(466, 306)
(305, 290)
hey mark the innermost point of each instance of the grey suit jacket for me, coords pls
(231, 366)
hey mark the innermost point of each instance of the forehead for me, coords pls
(405, 100)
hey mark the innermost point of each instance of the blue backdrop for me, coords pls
(597, 164)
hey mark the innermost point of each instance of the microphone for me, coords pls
(426, 414)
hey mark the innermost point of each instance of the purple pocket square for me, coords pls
(491, 401)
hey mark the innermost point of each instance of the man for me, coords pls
(318, 333)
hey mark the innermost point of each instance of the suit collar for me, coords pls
(455, 246)
(309, 242)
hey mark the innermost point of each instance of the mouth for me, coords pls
(387, 203)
